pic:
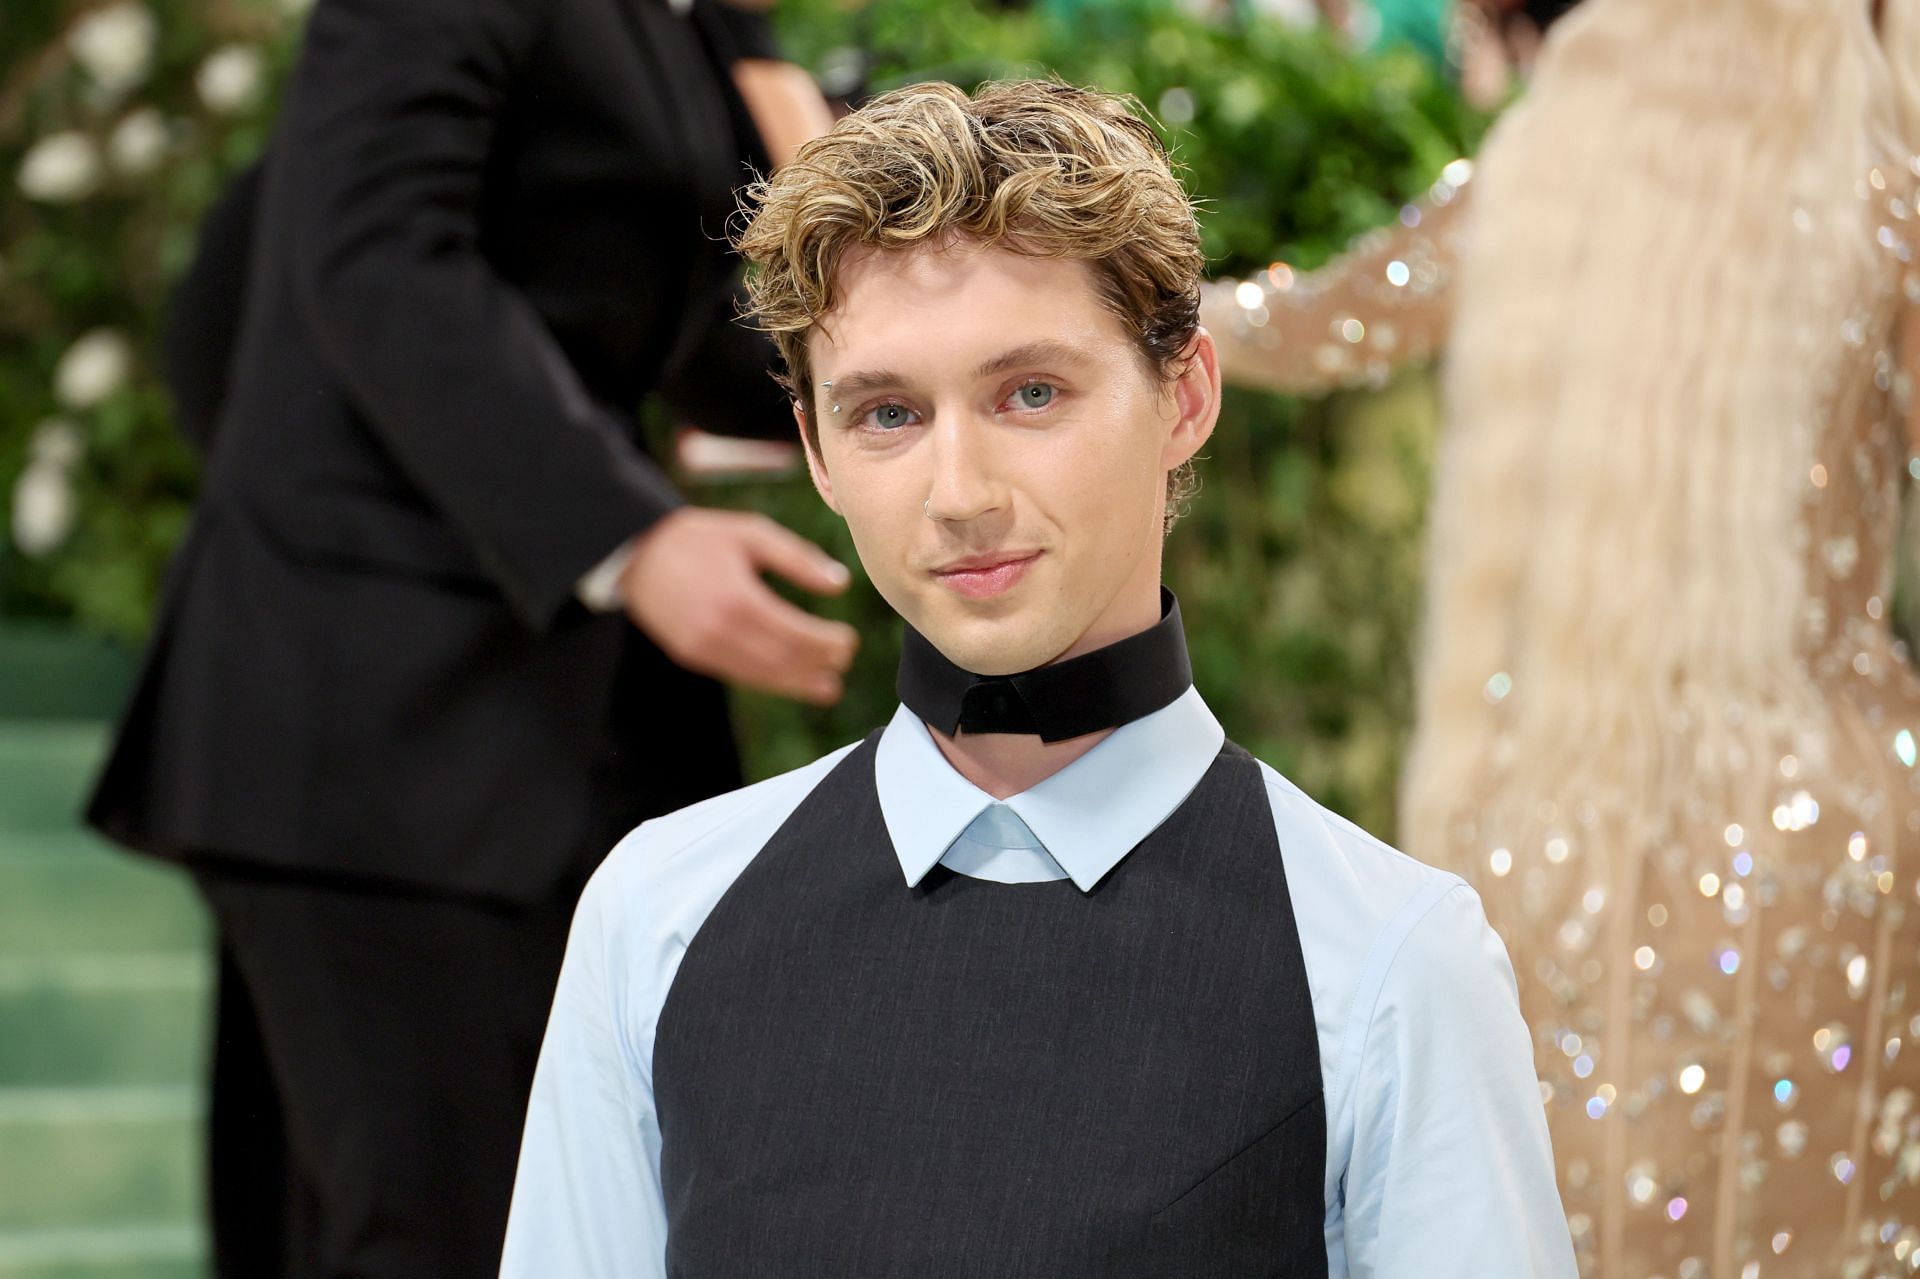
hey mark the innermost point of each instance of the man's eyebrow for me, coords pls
(849, 385)
(1044, 351)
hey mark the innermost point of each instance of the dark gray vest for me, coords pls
(979, 1079)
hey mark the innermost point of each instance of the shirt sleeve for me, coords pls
(1451, 1174)
(1385, 303)
(599, 587)
(587, 1200)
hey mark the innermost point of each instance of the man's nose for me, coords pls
(965, 483)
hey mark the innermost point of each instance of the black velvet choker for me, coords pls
(1103, 689)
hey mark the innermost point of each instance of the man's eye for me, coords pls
(1035, 395)
(888, 417)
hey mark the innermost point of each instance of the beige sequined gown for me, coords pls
(1664, 727)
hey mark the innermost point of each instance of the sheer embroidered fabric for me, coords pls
(1664, 726)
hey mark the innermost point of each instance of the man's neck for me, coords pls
(1005, 764)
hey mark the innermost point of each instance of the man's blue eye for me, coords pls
(1036, 395)
(888, 416)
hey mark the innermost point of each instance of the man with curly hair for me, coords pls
(1045, 977)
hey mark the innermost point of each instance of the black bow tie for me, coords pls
(1103, 689)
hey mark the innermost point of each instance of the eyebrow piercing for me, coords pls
(828, 386)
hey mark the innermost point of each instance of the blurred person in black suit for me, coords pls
(442, 630)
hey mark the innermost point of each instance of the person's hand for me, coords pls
(693, 585)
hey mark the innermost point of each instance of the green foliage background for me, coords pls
(1298, 568)
(106, 261)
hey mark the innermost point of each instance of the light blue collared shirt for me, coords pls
(1437, 1156)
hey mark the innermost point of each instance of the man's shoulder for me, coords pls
(1396, 950)
(1347, 873)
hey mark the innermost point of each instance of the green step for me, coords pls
(65, 894)
(67, 845)
(77, 1034)
(46, 772)
(105, 994)
(77, 1157)
(121, 1250)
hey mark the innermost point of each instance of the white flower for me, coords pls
(56, 442)
(230, 78)
(138, 143)
(61, 168)
(92, 368)
(115, 46)
(42, 509)
(1295, 13)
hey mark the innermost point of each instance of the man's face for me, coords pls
(1000, 451)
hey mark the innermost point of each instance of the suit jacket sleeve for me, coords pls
(202, 326)
(387, 134)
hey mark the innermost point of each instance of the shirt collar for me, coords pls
(1089, 815)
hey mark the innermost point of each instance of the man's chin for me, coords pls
(1006, 644)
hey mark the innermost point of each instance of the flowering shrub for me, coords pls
(118, 123)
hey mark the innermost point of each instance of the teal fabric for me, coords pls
(1417, 24)
(1420, 25)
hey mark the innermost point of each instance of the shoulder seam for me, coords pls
(1391, 939)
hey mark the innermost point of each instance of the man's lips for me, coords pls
(984, 576)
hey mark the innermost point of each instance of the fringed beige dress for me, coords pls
(1663, 725)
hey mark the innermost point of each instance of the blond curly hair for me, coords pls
(1039, 167)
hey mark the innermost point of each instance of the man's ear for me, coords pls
(816, 468)
(1195, 393)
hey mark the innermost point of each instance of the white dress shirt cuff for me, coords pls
(599, 588)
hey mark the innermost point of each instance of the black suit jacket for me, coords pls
(486, 229)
